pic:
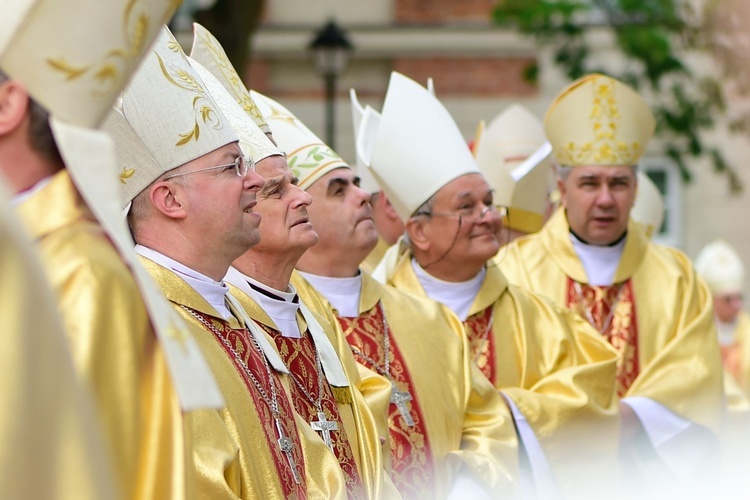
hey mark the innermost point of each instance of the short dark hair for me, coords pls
(41, 139)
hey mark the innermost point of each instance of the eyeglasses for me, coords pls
(241, 165)
(467, 214)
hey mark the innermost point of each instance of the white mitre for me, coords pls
(648, 208)
(366, 180)
(720, 265)
(417, 148)
(211, 55)
(515, 158)
(253, 141)
(308, 156)
(166, 118)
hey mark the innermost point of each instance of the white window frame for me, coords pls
(672, 198)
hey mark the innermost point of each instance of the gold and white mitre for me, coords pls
(75, 56)
(515, 158)
(648, 208)
(308, 156)
(254, 143)
(166, 118)
(721, 267)
(211, 55)
(366, 181)
(417, 147)
(598, 120)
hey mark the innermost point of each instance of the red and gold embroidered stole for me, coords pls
(595, 303)
(299, 356)
(413, 470)
(482, 342)
(240, 341)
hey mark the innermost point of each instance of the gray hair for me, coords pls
(563, 171)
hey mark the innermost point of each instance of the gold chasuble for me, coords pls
(443, 414)
(257, 446)
(375, 256)
(553, 367)
(736, 356)
(657, 314)
(115, 351)
(354, 439)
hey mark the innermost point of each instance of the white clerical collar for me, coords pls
(726, 332)
(457, 296)
(25, 195)
(599, 262)
(213, 291)
(342, 293)
(280, 306)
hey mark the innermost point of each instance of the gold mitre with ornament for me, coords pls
(598, 120)
(721, 267)
(253, 141)
(166, 118)
(211, 55)
(75, 56)
(308, 156)
(515, 158)
(648, 209)
(416, 148)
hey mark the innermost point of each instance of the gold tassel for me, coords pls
(342, 395)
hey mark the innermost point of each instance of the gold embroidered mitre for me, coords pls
(308, 156)
(648, 209)
(166, 118)
(598, 120)
(208, 52)
(720, 265)
(75, 56)
(502, 150)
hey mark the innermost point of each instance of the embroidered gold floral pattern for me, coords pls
(306, 158)
(108, 73)
(202, 103)
(605, 149)
(126, 174)
(230, 74)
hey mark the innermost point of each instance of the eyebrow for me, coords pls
(272, 183)
(337, 181)
(295, 181)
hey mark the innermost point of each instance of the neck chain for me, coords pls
(587, 310)
(284, 442)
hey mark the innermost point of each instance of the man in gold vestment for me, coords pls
(555, 374)
(645, 299)
(325, 393)
(192, 192)
(115, 350)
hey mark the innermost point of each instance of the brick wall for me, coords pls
(471, 76)
(439, 11)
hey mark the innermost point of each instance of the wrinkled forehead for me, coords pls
(603, 172)
(273, 166)
(469, 186)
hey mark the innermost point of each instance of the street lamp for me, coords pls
(330, 51)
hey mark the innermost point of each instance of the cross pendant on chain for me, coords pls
(400, 398)
(286, 446)
(325, 427)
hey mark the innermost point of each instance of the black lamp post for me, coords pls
(330, 50)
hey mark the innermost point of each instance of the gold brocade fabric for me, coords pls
(678, 351)
(51, 444)
(114, 347)
(555, 369)
(375, 256)
(466, 424)
(360, 424)
(230, 457)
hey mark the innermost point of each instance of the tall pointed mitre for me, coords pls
(514, 156)
(720, 265)
(308, 156)
(366, 180)
(648, 209)
(166, 118)
(253, 141)
(75, 56)
(598, 120)
(417, 149)
(211, 55)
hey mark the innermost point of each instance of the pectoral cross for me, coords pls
(325, 427)
(286, 446)
(400, 398)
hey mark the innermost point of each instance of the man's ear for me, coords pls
(562, 190)
(388, 208)
(166, 199)
(14, 103)
(416, 229)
